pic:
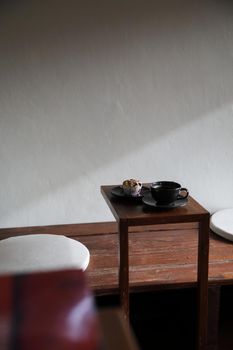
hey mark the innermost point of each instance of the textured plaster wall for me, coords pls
(93, 92)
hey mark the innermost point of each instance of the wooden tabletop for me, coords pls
(136, 213)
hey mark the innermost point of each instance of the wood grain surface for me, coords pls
(161, 256)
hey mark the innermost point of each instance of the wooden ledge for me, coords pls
(161, 256)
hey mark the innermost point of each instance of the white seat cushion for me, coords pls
(41, 252)
(221, 223)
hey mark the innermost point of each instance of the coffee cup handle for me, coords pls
(183, 189)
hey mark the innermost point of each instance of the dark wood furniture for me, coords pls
(150, 267)
(129, 214)
(161, 257)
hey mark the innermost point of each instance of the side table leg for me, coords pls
(202, 279)
(213, 317)
(124, 267)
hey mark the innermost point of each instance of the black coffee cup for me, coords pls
(166, 192)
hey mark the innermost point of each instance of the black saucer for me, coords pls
(119, 192)
(151, 202)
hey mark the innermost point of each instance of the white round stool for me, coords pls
(42, 252)
(221, 223)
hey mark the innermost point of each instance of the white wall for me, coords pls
(93, 92)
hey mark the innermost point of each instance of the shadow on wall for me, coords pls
(82, 80)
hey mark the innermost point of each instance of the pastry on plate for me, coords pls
(132, 187)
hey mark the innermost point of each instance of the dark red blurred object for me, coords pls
(49, 310)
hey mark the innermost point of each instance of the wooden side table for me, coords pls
(128, 213)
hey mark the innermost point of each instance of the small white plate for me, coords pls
(221, 223)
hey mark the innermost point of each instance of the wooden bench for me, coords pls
(161, 256)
